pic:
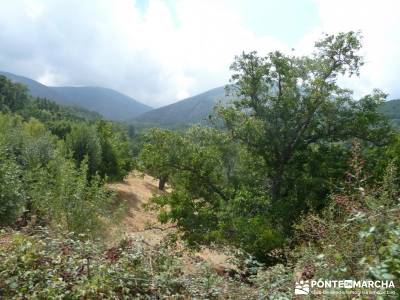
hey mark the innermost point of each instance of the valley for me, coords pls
(295, 181)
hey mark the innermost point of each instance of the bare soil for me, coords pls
(141, 223)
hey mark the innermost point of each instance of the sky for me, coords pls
(161, 51)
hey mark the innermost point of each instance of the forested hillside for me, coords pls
(296, 181)
(116, 106)
(193, 110)
(109, 103)
(51, 154)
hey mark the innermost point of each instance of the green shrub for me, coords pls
(48, 266)
(64, 195)
(357, 237)
(116, 161)
(39, 146)
(83, 141)
(12, 197)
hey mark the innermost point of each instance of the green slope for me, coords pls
(196, 109)
(191, 110)
(35, 88)
(111, 104)
(392, 110)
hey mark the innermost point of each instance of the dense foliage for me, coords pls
(367, 220)
(49, 267)
(53, 265)
(278, 152)
(53, 162)
(12, 194)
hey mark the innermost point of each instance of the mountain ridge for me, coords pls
(186, 112)
(114, 105)
(191, 110)
(110, 103)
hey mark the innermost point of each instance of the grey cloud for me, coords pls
(71, 41)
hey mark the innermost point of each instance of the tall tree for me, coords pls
(160, 154)
(12, 96)
(289, 104)
(83, 142)
(284, 142)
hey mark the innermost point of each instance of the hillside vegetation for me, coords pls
(109, 103)
(53, 160)
(296, 180)
(193, 110)
(199, 108)
(116, 106)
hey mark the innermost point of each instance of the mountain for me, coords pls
(35, 88)
(196, 109)
(117, 106)
(111, 104)
(188, 111)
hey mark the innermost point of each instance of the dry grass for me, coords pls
(139, 223)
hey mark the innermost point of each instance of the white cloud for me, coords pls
(380, 26)
(157, 56)
(160, 55)
(34, 9)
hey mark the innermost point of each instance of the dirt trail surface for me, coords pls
(136, 191)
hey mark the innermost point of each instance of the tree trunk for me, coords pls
(277, 184)
(161, 183)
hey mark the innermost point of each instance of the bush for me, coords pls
(368, 223)
(48, 266)
(39, 147)
(65, 196)
(36, 176)
(116, 161)
(12, 197)
(83, 141)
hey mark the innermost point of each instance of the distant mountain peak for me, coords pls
(111, 104)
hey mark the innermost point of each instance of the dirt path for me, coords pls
(136, 190)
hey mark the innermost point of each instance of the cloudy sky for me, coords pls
(159, 51)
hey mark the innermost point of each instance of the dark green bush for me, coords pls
(64, 195)
(84, 142)
(12, 196)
